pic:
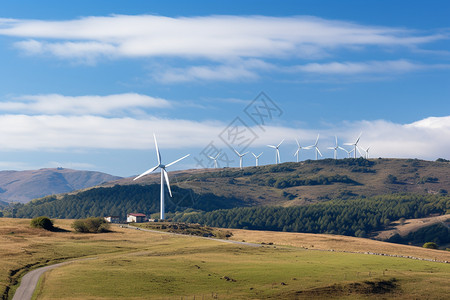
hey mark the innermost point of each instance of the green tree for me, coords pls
(430, 245)
(42, 222)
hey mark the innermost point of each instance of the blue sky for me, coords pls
(85, 85)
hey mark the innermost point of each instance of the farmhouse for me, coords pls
(135, 217)
(112, 219)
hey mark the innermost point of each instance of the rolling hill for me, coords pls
(354, 197)
(23, 186)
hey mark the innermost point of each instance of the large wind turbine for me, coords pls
(240, 157)
(355, 144)
(215, 159)
(164, 176)
(257, 157)
(336, 147)
(277, 153)
(299, 148)
(315, 147)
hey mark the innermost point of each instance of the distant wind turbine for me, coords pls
(240, 157)
(215, 159)
(257, 157)
(355, 144)
(367, 152)
(277, 153)
(164, 176)
(336, 147)
(315, 147)
(349, 153)
(299, 148)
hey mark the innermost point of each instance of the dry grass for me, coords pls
(336, 243)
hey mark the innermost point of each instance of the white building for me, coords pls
(136, 218)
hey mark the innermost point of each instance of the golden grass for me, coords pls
(337, 243)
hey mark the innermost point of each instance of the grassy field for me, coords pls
(134, 264)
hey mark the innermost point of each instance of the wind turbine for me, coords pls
(299, 148)
(348, 152)
(164, 176)
(367, 152)
(240, 157)
(277, 153)
(355, 144)
(257, 157)
(315, 147)
(215, 159)
(336, 147)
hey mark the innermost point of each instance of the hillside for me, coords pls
(354, 197)
(293, 184)
(23, 186)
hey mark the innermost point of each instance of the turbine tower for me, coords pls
(257, 157)
(355, 144)
(240, 157)
(215, 160)
(164, 176)
(336, 147)
(299, 148)
(277, 153)
(315, 147)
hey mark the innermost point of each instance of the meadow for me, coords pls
(135, 264)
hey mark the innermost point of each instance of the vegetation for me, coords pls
(173, 267)
(42, 222)
(91, 225)
(356, 217)
(186, 228)
(430, 245)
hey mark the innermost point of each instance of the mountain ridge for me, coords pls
(24, 186)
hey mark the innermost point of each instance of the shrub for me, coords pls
(391, 179)
(42, 222)
(430, 245)
(91, 225)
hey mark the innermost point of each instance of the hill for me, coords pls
(354, 197)
(293, 184)
(23, 186)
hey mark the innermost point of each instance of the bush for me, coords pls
(42, 222)
(430, 245)
(91, 225)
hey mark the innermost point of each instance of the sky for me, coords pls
(87, 84)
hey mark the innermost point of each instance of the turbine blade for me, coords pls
(157, 150)
(237, 152)
(217, 156)
(271, 146)
(298, 144)
(259, 154)
(296, 152)
(174, 162)
(357, 140)
(211, 157)
(331, 148)
(244, 153)
(319, 151)
(166, 176)
(254, 154)
(348, 144)
(279, 158)
(336, 140)
(280, 143)
(317, 140)
(147, 172)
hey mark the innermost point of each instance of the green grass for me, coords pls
(175, 267)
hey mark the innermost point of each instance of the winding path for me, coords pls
(29, 281)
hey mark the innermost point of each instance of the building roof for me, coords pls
(137, 215)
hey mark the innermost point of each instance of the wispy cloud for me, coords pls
(56, 104)
(212, 37)
(351, 68)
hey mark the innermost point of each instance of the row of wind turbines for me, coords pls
(165, 176)
(363, 152)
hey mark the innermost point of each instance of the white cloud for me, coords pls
(54, 104)
(212, 37)
(425, 139)
(351, 68)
